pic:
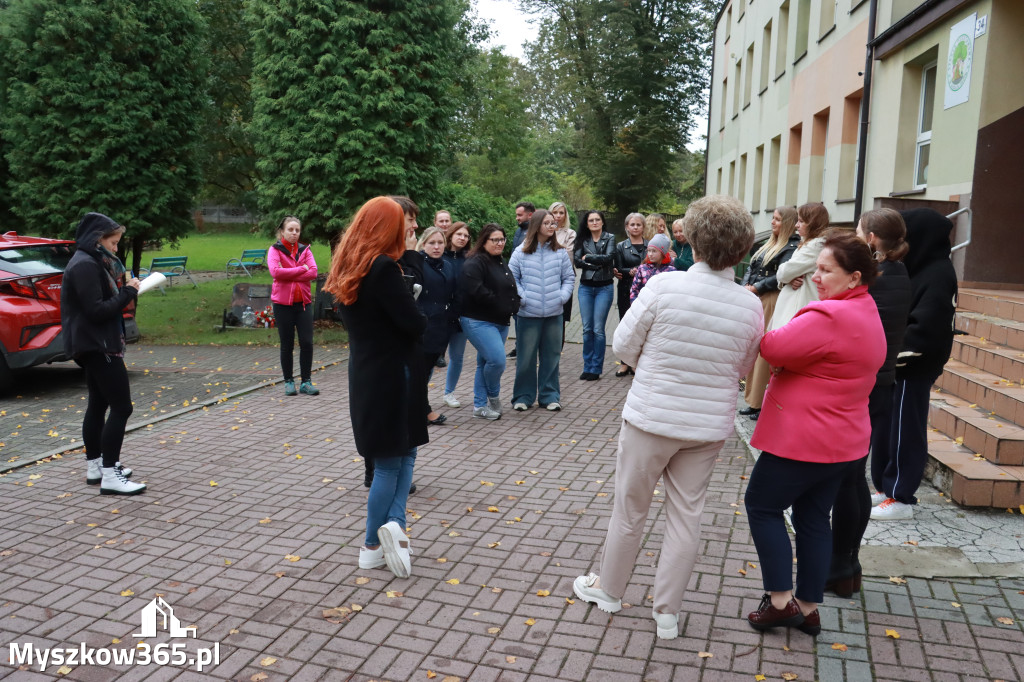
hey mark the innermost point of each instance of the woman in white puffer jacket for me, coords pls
(691, 336)
(544, 278)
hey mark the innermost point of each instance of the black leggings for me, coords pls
(289, 319)
(107, 378)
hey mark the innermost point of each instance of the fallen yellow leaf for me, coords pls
(705, 654)
(63, 670)
(213, 484)
(431, 674)
(393, 593)
(292, 557)
(530, 621)
(510, 659)
(492, 545)
(543, 593)
(955, 604)
(570, 601)
(839, 647)
(127, 593)
(892, 633)
(357, 607)
(268, 660)
(452, 581)
(789, 676)
(493, 509)
(1004, 620)
(265, 521)
(493, 631)
(442, 560)
(487, 483)
(759, 677)
(898, 580)
(362, 580)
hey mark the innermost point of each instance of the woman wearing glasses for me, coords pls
(489, 299)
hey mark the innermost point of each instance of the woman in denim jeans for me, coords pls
(489, 298)
(456, 249)
(595, 255)
(544, 279)
(387, 383)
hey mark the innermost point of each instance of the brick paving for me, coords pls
(256, 510)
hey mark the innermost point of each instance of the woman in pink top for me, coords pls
(292, 266)
(814, 424)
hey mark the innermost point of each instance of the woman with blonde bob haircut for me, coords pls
(691, 336)
(387, 386)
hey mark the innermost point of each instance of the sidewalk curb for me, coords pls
(44, 458)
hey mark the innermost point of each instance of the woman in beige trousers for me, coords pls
(691, 336)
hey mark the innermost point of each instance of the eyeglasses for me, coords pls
(500, 240)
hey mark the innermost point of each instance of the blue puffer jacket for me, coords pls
(544, 279)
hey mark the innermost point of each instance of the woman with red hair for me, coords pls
(386, 382)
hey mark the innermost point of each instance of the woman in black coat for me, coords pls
(629, 255)
(436, 300)
(387, 385)
(594, 253)
(885, 233)
(92, 300)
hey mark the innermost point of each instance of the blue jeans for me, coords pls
(595, 302)
(389, 493)
(539, 340)
(489, 340)
(456, 351)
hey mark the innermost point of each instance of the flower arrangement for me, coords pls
(265, 318)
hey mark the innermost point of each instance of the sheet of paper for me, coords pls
(156, 279)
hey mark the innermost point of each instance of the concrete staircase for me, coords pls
(977, 409)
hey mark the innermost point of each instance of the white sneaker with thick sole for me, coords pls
(371, 558)
(668, 625)
(878, 498)
(396, 549)
(94, 471)
(486, 412)
(584, 588)
(554, 407)
(114, 482)
(520, 407)
(891, 510)
(451, 401)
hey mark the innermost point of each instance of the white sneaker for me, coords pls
(94, 471)
(114, 482)
(395, 546)
(486, 412)
(451, 401)
(891, 510)
(668, 625)
(371, 558)
(520, 407)
(554, 407)
(494, 403)
(878, 498)
(584, 588)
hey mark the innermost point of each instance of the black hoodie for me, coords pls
(90, 302)
(933, 291)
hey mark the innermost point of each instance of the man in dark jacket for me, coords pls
(927, 344)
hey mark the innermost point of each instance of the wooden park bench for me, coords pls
(251, 259)
(170, 267)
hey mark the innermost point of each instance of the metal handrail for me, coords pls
(970, 216)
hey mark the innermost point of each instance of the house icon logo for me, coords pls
(151, 615)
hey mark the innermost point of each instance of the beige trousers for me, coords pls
(686, 466)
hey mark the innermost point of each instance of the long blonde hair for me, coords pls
(775, 245)
(651, 225)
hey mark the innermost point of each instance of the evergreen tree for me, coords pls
(352, 99)
(103, 113)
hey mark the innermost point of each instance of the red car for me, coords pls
(31, 270)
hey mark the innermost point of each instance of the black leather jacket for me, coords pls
(762, 276)
(598, 268)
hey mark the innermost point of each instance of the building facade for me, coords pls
(945, 114)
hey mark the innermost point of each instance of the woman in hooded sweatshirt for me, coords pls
(896, 470)
(883, 230)
(292, 266)
(91, 303)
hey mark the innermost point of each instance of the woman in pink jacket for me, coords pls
(292, 266)
(814, 425)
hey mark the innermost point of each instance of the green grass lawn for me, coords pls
(211, 250)
(188, 316)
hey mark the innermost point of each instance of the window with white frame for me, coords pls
(924, 126)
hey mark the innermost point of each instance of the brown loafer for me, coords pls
(767, 616)
(811, 624)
